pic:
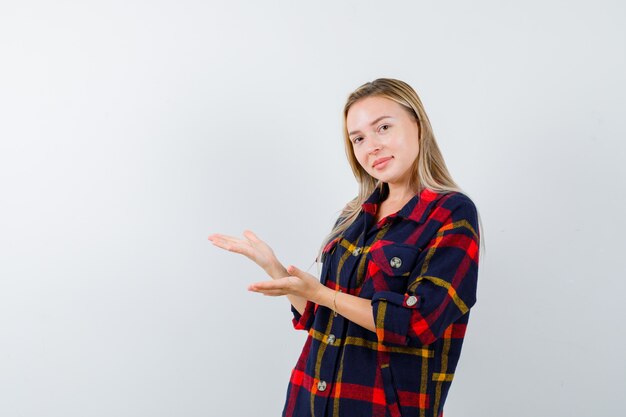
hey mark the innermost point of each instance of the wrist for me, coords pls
(324, 296)
(276, 270)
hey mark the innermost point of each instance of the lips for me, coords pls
(381, 160)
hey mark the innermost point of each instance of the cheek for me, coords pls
(359, 157)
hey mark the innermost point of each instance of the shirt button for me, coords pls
(411, 301)
(321, 386)
(395, 262)
(357, 251)
(331, 339)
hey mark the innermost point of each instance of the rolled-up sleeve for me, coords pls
(442, 284)
(303, 321)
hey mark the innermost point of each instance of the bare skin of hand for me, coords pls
(297, 285)
(260, 253)
(251, 246)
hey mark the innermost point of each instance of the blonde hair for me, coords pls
(428, 170)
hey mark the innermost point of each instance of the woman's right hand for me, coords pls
(260, 253)
(253, 248)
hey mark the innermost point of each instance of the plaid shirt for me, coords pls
(419, 267)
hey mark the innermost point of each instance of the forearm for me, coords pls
(356, 309)
(279, 271)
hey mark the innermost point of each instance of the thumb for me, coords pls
(251, 236)
(293, 270)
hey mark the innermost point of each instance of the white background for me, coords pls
(131, 130)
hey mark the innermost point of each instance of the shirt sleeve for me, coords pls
(442, 284)
(303, 321)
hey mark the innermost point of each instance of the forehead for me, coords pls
(368, 109)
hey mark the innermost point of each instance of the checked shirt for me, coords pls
(419, 267)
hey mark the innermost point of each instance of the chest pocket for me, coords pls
(392, 264)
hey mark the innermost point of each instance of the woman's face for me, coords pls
(384, 139)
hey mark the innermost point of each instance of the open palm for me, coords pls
(251, 246)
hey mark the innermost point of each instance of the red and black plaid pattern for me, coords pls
(419, 267)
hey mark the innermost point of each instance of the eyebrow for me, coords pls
(371, 124)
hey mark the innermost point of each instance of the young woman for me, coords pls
(387, 317)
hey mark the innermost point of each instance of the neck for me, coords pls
(399, 193)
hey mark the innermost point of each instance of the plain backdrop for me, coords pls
(131, 130)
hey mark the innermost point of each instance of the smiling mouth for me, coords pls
(381, 161)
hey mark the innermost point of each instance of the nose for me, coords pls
(374, 146)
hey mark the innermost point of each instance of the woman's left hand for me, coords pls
(305, 285)
(299, 283)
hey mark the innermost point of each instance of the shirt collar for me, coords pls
(416, 209)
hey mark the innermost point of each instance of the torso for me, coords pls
(407, 365)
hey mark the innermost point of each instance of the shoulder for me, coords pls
(453, 206)
(457, 199)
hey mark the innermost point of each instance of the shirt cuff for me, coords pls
(392, 316)
(305, 320)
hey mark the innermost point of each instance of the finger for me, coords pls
(236, 246)
(220, 243)
(249, 234)
(277, 284)
(272, 293)
(216, 235)
(225, 238)
(213, 236)
(295, 271)
(266, 289)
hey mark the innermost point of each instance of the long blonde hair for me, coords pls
(428, 170)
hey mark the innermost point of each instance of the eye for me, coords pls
(384, 127)
(357, 139)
